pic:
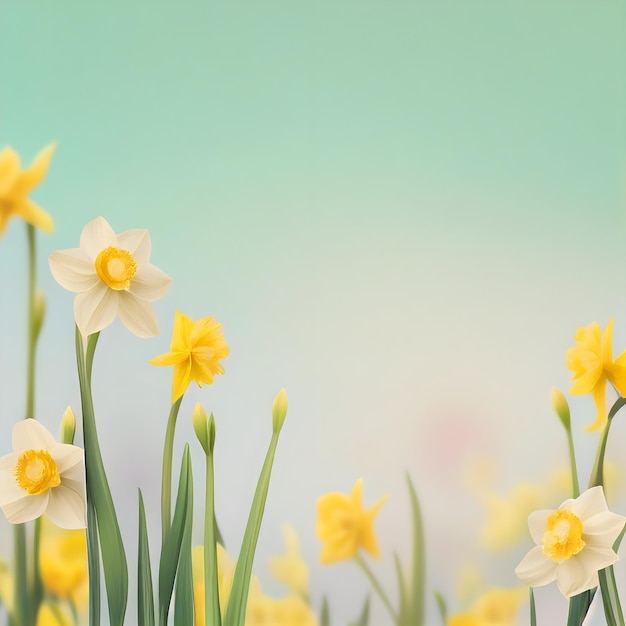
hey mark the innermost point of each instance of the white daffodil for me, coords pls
(573, 543)
(111, 275)
(42, 476)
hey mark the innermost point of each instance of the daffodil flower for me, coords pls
(495, 607)
(591, 360)
(344, 526)
(16, 184)
(573, 543)
(291, 569)
(42, 476)
(196, 351)
(111, 275)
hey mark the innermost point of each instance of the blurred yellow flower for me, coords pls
(344, 526)
(195, 352)
(495, 607)
(53, 615)
(6, 586)
(16, 184)
(291, 610)
(291, 569)
(63, 563)
(591, 360)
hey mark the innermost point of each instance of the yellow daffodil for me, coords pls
(42, 476)
(63, 563)
(591, 360)
(573, 543)
(53, 615)
(16, 184)
(195, 352)
(496, 607)
(291, 610)
(291, 569)
(111, 275)
(6, 586)
(344, 526)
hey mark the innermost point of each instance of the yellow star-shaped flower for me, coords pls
(16, 184)
(591, 360)
(344, 526)
(195, 352)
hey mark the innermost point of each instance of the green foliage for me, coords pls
(145, 593)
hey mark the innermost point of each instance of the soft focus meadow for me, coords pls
(398, 212)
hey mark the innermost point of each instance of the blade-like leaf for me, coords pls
(610, 597)
(212, 610)
(111, 545)
(170, 550)
(236, 608)
(579, 607)
(183, 603)
(145, 593)
(325, 614)
(93, 561)
(417, 589)
(443, 609)
(533, 610)
(403, 616)
(364, 618)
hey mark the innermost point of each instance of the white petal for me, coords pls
(73, 269)
(8, 461)
(589, 503)
(138, 316)
(27, 508)
(536, 569)
(149, 283)
(537, 524)
(137, 242)
(602, 529)
(29, 434)
(96, 236)
(95, 309)
(576, 574)
(10, 491)
(66, 507)
(66, 456)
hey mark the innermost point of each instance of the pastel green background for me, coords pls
(399, 211)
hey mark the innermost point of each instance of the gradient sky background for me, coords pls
(399, 211)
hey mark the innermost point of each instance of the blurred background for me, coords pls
(400, 212)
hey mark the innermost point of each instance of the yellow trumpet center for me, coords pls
(36, 471)
(116, 267)
(563, 536)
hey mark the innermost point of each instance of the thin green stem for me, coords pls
(212, 616)
(376, 586)
(20, 606)
(32, 335)
(597, 473)
(572, 460)
(166, 479)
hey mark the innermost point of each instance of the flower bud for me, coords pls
(279, 410)
(39, 312)
(68, 426)
(559, 403)
(200, 423)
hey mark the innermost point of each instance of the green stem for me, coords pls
(597, 473)
(32, 338)
(20, 606)
(166, 479)
(376, 586)
(212, 616)
(572, 460)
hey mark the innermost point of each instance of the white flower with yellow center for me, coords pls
(111, 275)
(573, 543)
(42, 476)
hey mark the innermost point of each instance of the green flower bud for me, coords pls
(39, 312)
(68, 426)
(200, 426)
(279, 410)
(559, 403)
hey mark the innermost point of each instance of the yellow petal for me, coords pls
(181, 379)
(33, 214)
(617, 374)
(169, 358)
(599, 397)
(181, 333)
(607, 346)
(9, 170)
(37, 171)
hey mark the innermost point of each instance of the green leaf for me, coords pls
(443, 609)
(416, 592)
(403, 616)
(364, 618)
(93, 560)
(145, 594)
(610, 597)
(183, 602)
(111, 545)
(325, 615)
(236, 608)
(578, 607)
(170, 551)
(533, 610)
(212, 611)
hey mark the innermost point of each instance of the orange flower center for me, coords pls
(563, 536)
(36, 472)
(116, 267)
